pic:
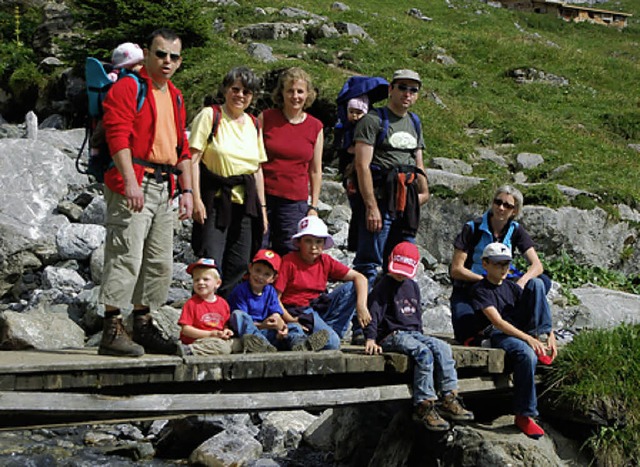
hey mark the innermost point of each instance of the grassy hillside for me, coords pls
(587, 123)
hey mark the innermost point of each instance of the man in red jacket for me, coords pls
(148, 148)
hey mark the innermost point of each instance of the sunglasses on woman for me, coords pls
(499, 202)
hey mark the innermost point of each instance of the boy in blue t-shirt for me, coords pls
(259, 317)
(519, 325)
(396, 326)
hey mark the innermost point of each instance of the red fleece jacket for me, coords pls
(127, 128)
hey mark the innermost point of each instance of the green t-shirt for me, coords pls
(400, 138)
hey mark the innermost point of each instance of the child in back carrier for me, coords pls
(127, 56)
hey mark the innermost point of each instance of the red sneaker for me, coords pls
(544, 358)
(529, 427)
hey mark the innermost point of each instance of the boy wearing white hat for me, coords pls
(396, 326)
(302, 284)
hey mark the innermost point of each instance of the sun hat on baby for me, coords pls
(359, 103)
(126, 54)
(314, 226)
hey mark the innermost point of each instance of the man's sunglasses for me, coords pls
(161, 54)
(499, 202)
(405, 88)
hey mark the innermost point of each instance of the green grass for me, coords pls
(598, 375)
(587, 123)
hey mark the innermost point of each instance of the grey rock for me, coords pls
(318, 433)
(63, 279)
(282, 431)
(31, 123)
(455, 166)
(95, 212)
(457, 183)
(352, 30)
(34, 177)
(527, 160)
(70, 209)
(271, 31)
(605, 308)
(339, 6)
(261, 52)
(227, 449)
(39, 330)
(78, 241)
(96, 264)
(333, 193)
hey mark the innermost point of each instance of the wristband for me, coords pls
(315, 208)
(188, 190)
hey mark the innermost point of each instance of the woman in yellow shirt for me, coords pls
(228, 189)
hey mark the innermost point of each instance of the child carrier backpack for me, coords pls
(376, 89)
(98, 159)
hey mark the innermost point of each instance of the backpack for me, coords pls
(98, 158)
(217, 115)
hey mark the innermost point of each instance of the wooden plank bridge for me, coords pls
(78, 385)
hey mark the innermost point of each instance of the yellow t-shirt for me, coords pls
(237, 149)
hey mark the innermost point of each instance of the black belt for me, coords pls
(158, 176)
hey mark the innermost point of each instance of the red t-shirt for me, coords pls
(204, 315)
(300, 282)
(290, 152)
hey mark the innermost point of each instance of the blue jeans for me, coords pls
(468, 322)
(434, 370)
(242, 323)
(533, 316)
(374, 248)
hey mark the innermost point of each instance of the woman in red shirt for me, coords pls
(293, 141)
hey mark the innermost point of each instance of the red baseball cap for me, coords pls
(270, 257)
(202, 263)
(404, 260)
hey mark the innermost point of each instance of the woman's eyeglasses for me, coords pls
(161, 54)
(499, 202)
(243, 91)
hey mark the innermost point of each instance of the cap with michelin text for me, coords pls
(404, 260)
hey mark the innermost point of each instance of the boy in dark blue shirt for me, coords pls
(259, 317)
(520, 326)
(396, 326)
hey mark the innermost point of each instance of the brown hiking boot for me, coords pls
(116, 341)
(252, 343)
(313, 343)
(452, 408)
(145, 334)
(426, 413)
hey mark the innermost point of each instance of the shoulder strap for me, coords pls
(417, 124)
(384, 124)
(217, 114)
(141, 84)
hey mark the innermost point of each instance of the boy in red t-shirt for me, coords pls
(205, 315)
(302, 284)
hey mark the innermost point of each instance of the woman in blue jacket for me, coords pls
(498, 224)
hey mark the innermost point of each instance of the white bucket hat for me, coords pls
(314, 226)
